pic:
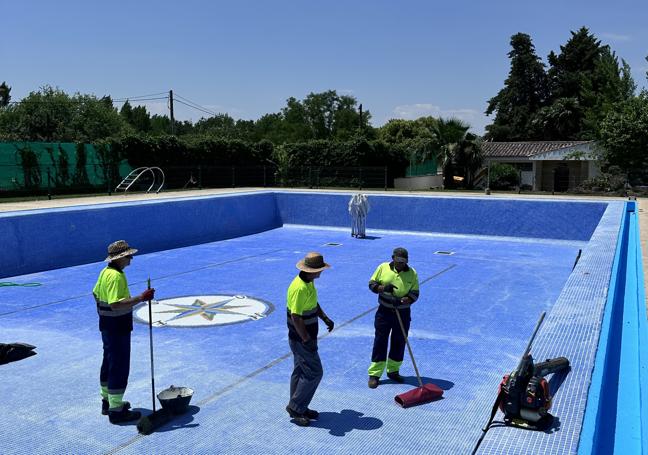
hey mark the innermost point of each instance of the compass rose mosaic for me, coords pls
(203, 311)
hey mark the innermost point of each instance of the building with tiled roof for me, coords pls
(545, 165)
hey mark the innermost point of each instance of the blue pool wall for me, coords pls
(39, 240)
(564, 220)
(617, 422)
(34, 241)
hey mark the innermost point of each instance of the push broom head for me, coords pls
(148, 424)
(419, 395)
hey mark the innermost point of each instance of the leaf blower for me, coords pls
(524, 395)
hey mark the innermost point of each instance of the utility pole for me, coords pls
(171, 112)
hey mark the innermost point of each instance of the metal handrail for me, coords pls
(140, 171)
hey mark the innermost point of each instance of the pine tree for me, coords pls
(525, 92)
(5, 97)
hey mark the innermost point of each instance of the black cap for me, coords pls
(400, 253)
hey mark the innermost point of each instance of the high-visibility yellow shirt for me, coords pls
(404, 281)
(301, 299)
(112, 287)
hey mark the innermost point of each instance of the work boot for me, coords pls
(311, 414)
(105, 406)
(395, 376)
(125, 415)
(373, 382)
(300, 419)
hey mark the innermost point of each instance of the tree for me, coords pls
(575, 63)
(609, 85)
(5, 97)
(525, 92)
(623, 137)
(52, 115)
(324, 115)
(586, 80)
(160, 125)
(450, 133)
(416, 138)
(468, 158)
(400, 130)
(140, 119)
(295, 123)
(346, 119)
(45, 115)
(562, 120)
(93, 120)
(320, 113)
(127, 112)
(220, 125)
(269, 127)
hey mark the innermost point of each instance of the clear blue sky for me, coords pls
(400, 59)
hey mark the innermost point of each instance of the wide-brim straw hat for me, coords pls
(118, 250)
(312, 263)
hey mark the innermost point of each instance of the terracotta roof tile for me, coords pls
(525, 149)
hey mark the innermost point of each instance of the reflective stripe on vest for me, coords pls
(386, 304)
(309, 317)
(105, 309)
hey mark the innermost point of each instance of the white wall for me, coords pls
(423, 182)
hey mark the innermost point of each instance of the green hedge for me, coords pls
(29, 166)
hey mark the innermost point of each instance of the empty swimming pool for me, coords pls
(510, 260)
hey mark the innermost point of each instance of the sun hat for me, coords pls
(313, 262)
(400, 255)
(119, 249)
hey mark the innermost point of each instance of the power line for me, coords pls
(131, 99)
(143, 96)
(126, 100)
(197, 108)
(196, 105)
(149, 97)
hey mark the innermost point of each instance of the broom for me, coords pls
(425, 392)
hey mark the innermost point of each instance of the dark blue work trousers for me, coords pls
(116, 361)
(387, 327)
(305, 377)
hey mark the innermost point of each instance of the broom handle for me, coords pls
(400, 322)
(151, 346)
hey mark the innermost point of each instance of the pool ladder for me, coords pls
(135, 174)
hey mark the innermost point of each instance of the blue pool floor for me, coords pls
(477, 310)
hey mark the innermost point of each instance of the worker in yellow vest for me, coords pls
(303, 314)
(397, 286)
(115, 308)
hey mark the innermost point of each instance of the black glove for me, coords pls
(311, 345)
(329, 324)
(389, 288)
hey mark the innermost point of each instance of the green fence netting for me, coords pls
(428, 167)
(34, 166)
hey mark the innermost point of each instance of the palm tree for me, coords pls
(449, 134)
(468, 156)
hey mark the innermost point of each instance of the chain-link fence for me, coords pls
(26, 181)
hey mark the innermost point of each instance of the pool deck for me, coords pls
(73, 201)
